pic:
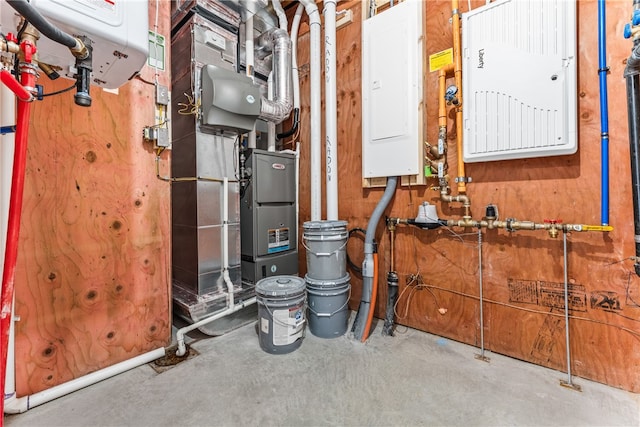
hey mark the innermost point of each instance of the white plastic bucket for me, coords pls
(325, 243)
(328, 306)
(281, 313)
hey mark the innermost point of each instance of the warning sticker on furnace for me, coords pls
(278, 240)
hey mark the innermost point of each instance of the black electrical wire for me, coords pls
(294, 127)
(58, 92)
(351, 264)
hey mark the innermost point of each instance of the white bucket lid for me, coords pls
(327, 283)
(280, 286)
(324, 225)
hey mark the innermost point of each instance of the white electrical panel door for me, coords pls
(392, 91)
(519, 80)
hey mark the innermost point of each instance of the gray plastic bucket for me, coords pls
(328, 306)
(281, 313)
(326, 242)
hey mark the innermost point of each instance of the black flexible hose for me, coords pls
(351, 264)
(40, 22)
(294, 127)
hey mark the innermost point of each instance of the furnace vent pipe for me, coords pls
(362, 315)
(282, 16)
(295, 78)
(278, 109)
(315, 104)
(331, 105)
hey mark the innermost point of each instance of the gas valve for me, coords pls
(554, 227)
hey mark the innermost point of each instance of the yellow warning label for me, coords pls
(440, 59)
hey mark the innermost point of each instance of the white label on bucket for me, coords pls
(288, 325)
(264, 325)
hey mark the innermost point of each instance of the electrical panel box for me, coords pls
(519, 80)
(119, 31)
(392, 63)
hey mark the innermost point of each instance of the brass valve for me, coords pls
(553, 227)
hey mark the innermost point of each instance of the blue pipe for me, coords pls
(604, 113)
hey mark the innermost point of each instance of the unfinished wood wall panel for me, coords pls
(93, 273)
(522, 271)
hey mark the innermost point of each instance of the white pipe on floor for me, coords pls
(231, 307)
(7, 142)
(249, 63)
(331, 120)
(22, 404)
(315, 104)
(225, 243)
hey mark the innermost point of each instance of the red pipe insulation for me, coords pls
(27, 79)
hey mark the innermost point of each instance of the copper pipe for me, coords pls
(442, 88)
(392, 234)
(457, 60)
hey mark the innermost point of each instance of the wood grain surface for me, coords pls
(522, 271)
(93, 273)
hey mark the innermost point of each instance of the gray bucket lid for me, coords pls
(327, 283)
(324, 225)
(280, 286)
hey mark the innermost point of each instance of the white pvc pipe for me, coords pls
(22, 404)
(315, 104)
(282, 16)
(182, 349)
(295, 77)
(249, 62)
(231, 306)
(7, 142)
(331, 120)
(271, 127)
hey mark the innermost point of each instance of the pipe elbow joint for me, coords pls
(275, 111)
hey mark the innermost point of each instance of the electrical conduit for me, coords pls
(315, 105)
(331, 103)
(604, 113)
(362, 315)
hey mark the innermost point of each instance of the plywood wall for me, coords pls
(93, 273)
(522, 271)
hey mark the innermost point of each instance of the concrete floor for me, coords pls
(411, 379)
